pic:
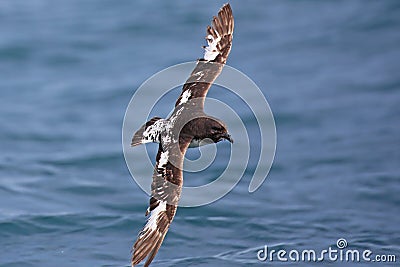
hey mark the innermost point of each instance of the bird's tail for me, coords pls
(149, 132)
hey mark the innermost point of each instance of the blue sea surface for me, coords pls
(330, 71)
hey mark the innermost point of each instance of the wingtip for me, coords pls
(226, 7)
(221, 33)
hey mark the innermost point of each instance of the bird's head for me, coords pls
(219, 131)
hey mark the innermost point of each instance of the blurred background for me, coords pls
(329, 69)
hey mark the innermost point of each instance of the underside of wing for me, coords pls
(219, 42)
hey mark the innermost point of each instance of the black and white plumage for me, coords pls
(186, 127)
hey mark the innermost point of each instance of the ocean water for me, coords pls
(329, 69)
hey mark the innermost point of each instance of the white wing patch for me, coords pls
(171, 123)
(152, 221)
(173, 118)
(211, 51)
(166, 139)
(185, 97)
(163, 159)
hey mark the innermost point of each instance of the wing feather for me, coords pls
(219, 39)
(166, 190)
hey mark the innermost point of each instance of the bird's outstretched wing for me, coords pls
(219, 40)
(166, 190)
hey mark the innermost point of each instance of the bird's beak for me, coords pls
(228, 137)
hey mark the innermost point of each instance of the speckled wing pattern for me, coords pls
(166, 190)
(219, 43)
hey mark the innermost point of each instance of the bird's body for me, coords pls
(188, 126)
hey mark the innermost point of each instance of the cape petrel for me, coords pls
(188, 126)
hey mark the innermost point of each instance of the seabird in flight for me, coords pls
(186, 127)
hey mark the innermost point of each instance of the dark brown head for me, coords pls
(217, 131)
